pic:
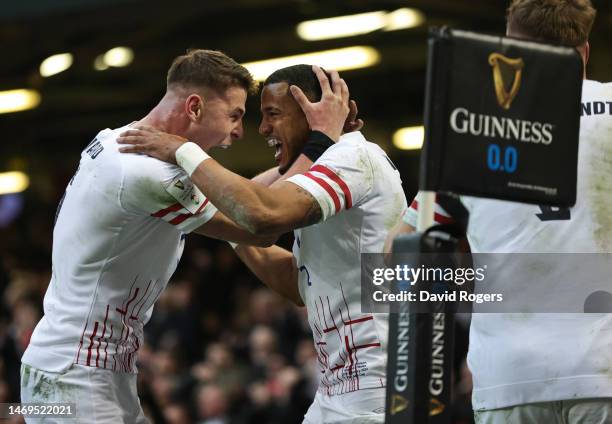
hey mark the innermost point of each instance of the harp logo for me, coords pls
(398, 404)
(435, 407)
(507, 84)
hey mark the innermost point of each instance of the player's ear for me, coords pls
(194, 107)
(584, 51)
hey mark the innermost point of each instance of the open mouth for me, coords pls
(273, 142)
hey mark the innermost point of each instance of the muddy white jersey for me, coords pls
(360, 194)
(118, 237)
(525, 358)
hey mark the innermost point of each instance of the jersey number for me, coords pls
(303, 268)
(550, 213)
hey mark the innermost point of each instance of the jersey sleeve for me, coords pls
(164, 191)
(440, 215)
(338, 180)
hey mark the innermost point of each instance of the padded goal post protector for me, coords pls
(502, 118)
(421, 345)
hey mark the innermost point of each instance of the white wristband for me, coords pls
(189, 156)
(234, 245)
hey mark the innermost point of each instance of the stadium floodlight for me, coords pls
(409, 138)
(18, 100)
(404, 18)
(361, 23)
(118, 57)
(341, 26)
(13, 182)
(338, 59)
(55, 64)
(99, 64)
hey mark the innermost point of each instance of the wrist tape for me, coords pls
(189, 156)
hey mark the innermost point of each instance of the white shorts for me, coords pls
(578, 411)
(101, 396)
(365, 406)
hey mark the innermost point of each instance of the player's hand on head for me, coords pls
(329, 114)
(150, 141)
(352, 123)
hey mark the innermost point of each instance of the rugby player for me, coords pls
(546, 368)
(344, 205)
(118, 237)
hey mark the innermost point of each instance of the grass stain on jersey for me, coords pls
(600, 191)
(394, 213)
(365, 163)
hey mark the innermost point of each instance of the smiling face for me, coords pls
(215, 119)
(283, 124)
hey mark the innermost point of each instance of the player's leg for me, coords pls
(588, 411)
(365, 406)
(100, 396)
(43, 387)
(128, 399)
(533, 413)
(313, 415)
(114, 398)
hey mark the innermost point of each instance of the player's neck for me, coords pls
(166, 116)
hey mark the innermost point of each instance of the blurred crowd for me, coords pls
(220, 347)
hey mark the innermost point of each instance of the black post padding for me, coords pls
(420, 357)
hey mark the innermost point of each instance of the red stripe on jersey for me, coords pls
(102, 336)
(81, 342)
(335, 178)
(349, 350)
(202, 207)
(438, 217)
(163, 212)
(180, 218)
(367, 345)
(355, 321)
(106, 347)
(327, 188)
(95, 330)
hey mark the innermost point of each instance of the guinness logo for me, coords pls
(398, 404)
(435, 407)
(506, 91)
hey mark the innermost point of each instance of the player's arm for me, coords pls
(259, 209)
(400, 228)
(301, 164)
(222, 228)
(407, 224)
(268, 177)
(275, 267)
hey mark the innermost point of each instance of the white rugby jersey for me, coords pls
(118, 237)
(524, 358)
(361, 197)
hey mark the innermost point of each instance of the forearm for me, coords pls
(222, 228)
(400, 228)
(275, 267)
(250, 204)
(302, 164)
(268, 177)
